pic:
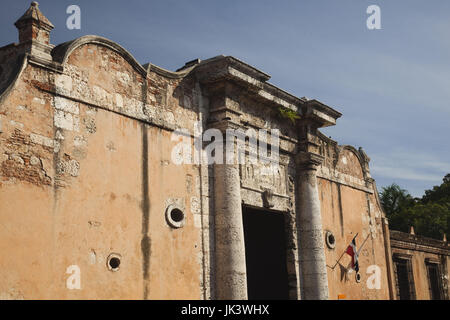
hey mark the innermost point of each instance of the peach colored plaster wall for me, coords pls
(85, 200)
(345, 212)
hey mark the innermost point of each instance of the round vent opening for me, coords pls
(175, 217)
(330, 240)
(113, 262)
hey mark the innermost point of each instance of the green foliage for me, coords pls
(439, 193)
(393, 199)
(288, 114)
(429, 215)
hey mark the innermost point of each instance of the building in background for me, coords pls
(420, 266)
(93, 205)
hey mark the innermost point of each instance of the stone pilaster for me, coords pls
(231, 275)
(313, 272)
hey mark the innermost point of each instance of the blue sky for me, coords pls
(391, 85)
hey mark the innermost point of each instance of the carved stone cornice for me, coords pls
(319, 113)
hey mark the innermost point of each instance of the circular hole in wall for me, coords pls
(113, 262)
(175, 217)
(330, 240)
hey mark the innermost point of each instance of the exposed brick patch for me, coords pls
(22, 161)
(24, 170)
(42, 85)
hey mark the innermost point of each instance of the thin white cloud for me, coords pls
(396, 172)
(409, 166)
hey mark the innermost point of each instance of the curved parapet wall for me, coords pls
(345, 164)
(62, 52)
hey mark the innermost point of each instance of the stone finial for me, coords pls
(34, 31)
(411, 230)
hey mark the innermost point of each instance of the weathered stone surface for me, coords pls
(231, 281)
(314, 281)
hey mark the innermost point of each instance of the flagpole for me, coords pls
(363, 244)
(332, 268)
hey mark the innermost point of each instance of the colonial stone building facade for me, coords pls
(93, 205)
(420, 266)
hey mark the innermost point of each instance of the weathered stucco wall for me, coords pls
(347, 211)
(80, 182)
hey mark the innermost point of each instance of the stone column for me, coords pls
(231, 275)
(230, 278)
(314, 280)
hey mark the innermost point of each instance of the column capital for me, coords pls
(224, 124)
(308, 160)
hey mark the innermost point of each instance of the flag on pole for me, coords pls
(351, 251)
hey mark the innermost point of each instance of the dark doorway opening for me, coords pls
(265, 254)
(405, 282)
(434, 281)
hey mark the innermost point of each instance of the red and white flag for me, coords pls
(351, 251)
